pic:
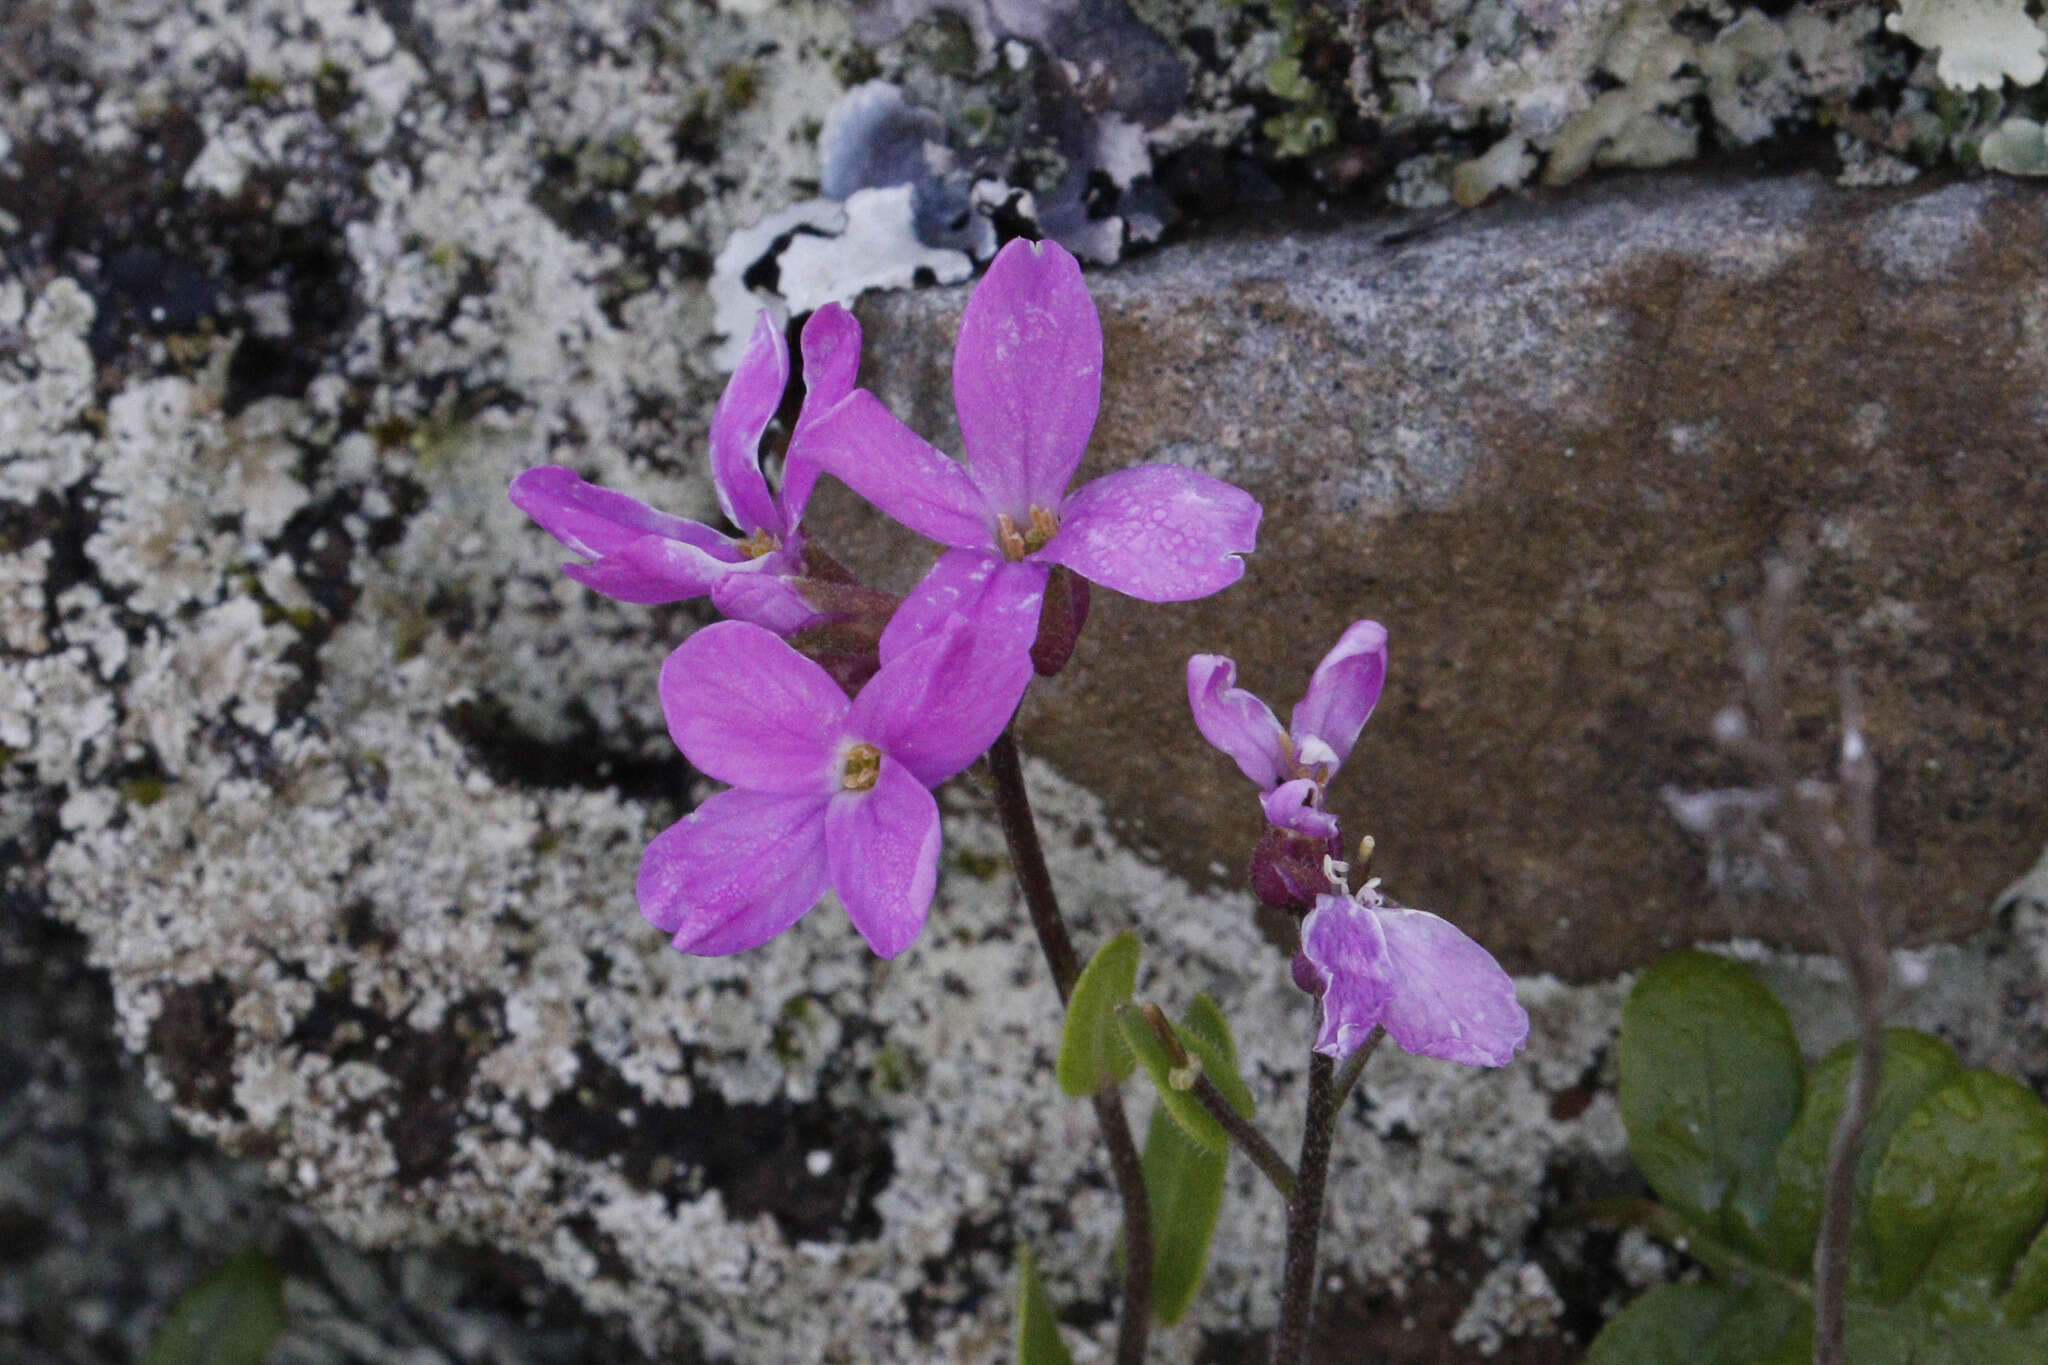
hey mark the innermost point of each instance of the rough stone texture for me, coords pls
(1549, 447)
(109, 1210)
(343, 785)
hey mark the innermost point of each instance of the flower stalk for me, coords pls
(1305, 1214)
(1027, 858)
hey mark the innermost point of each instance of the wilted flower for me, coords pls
(1027, 381)
(826, 792)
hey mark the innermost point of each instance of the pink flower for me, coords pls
(1027, 380)
(826, 792)
(640, 555)
(1294, 764)
(1435, 991)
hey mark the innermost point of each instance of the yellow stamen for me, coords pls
(860, 769)
(758, 544)
(1009, 539)
(1044, 526)
(1015, 544)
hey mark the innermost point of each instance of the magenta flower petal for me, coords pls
(769, 600)
(883, 849)
(1450, 998)
(861, 443)
(831, 353)
(1344, 943)
(747, 709)
(937, 706)
(1001, 599)
(594, 521)
(656, 569)
(1344, 689)
(744, 411)
(1159, 533)
(1234, 720)
(1027, 377)
(1291, 805)
(736, 871)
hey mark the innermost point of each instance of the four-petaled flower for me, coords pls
(824, 791)
(640, 555)
(1293, 764)
(1027, 380)
(1435, 991)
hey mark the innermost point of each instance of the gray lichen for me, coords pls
(345, 785)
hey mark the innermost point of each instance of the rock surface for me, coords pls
(109, 1211)
(344, 785)
(1549, 446)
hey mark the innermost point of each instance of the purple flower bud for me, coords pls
(1306, 978)
(1060, 620)
(1287, 868)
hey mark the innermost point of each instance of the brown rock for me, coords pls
(1548, 445)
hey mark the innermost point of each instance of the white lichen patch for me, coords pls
(1983, 43)
(1513, 1301)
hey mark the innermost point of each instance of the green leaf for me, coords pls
(1092, 1050)
(1038, 1336)
(1893, 1336)
(1207, 1042)
(1915, 1066)
(229, 1318)
(1203, 1030)
(1699, 1324)
(2028, 1293)
(1185, 1182)
(1961, 1188)
(1710, 1083)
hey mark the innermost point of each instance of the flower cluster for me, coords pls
(1373, 964)
(831, 711)
(834, 791)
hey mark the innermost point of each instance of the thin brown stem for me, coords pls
(1354, 1067)
(1305, 1215)
(1834, 834)
(1246, 1135)
(1203, 1090)
(1027, 857)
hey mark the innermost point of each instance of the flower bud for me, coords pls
(1306, 977)
(845, 637)
(1060, 620)
(1287, 868)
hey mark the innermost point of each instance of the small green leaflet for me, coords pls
(229, 1318)
(1038, 1336)
(1092, 1051)
(1206, 1038)
(1186, 1179)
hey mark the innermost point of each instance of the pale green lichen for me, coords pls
(2018, 146)
(1983, 43)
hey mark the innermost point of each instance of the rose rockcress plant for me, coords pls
(831, 710)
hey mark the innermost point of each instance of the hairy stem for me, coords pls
(1354, 1067)
(1027, 857)
(1246, 1135)
(1305, 1215)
